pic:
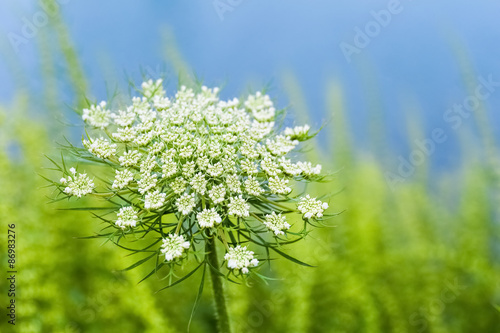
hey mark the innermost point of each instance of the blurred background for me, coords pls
(410, 91)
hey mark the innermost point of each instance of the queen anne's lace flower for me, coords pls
(154, 200)
(249, 167)
(311, 207)
(130, 158)
(308, 169)
(289, 168)
(200, 157)
(279, 186)
(122, 179)
(148, 164)
(124, 118)
(156, 147)
(270, 166)
(276, 223)
(188, 169)
(97, 116)
(186, 203)
(233, 183)
(126, 134)
(199, 183)
(100, 147)
(78, 184)
(208, 218)
(174, 246)
(127, 217)
(252, 186)
(298, 132)
(217, 193)
(238, 258)
(238, 207)
(169, 168)
(147, 182)
(215, 170)
(258, 102)
(179, 185)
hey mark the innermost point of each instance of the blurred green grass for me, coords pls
(409, 259)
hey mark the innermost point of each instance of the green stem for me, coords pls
(223, 325)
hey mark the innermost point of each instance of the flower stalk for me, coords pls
(223, 324)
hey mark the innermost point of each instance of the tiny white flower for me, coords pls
(258, 102)
(186, 151)
(148, 164)
(185, 203)
(130, 158)
(122, 179)
(279, 186)
(124, 118)
(154, 200)
(174, 246)
(188, 169)
(277, 223)
(126, 134)
(169, 168)
(238, 207)
(179, 185)
(298, 132)
(281, 145)
(97, 116)
(270, 167)
(208, 218)
(152, 88)
(78, 185)
(156, 148)
(308, 169)
(199, 183)
(215, 170)
(147, 182)
(249, 167)
(311, 207)
(203, 162)
(252, 186)
(127, 217)
(264, 115)
(143, 139)
(100, 147)
(233, 183)
(289, 168)
(238, 258)
(217, 193)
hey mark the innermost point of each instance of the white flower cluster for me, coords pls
(298, 132)
(127, 217)
(276, 223)
(174, 246)
(208, 218)
(198, 156)
(239, 258)
(311, 207)
(97, 116)
(78, 184)
(100, 147)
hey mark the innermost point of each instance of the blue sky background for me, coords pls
(410, 67)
